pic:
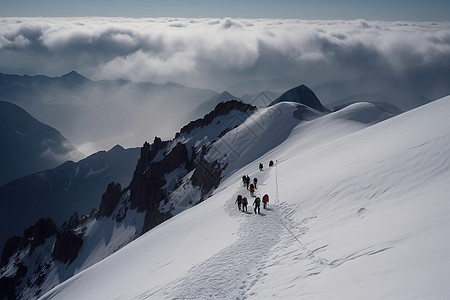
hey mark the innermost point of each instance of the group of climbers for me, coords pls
(242, 201)
(250, 186)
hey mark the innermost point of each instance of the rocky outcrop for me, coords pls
(33, 236)
(11, 246)
(146, 188)
(37, 234)
(67, 246)
(221, 109)
(8, 284)
(110, 199)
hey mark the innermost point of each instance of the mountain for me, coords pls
(95, 112)
(406, 90)
(28, 145)
(209, 104)
(169, 177)
(379, 100)
(301, 94)
(358, 209)
(60, 192)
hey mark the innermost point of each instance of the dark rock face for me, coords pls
(146, 191)
(67, 246)
(38, 233)
(303, 95)
(110, 199)
(33, 236)
(73, 222)
(206, 175)
(8, 284)
(221, 109)
(12, 245)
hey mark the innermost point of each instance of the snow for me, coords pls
(96, 172)
(358, 210)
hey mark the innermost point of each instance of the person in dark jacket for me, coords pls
(255, 180)
(244, 204)
(257, 204)
(260, 167)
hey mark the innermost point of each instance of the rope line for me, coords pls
(278, 201)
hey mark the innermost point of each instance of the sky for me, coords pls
(388, 10)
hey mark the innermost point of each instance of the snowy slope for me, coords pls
(356, 212)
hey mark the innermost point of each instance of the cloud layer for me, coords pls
(217, 52)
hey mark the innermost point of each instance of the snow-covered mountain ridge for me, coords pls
(330, 178)
(355, 212)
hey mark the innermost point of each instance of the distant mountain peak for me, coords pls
(74, 76)
(303, 95)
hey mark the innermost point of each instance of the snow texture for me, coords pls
(357, 210)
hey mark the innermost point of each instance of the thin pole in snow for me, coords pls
(278, 201)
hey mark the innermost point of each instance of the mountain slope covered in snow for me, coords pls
(358, 209)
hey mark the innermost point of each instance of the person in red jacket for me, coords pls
(265, 200)
(239, 201)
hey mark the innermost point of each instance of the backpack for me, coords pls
(257, 201)
(239, 199)
(266, 198)
(244, 201)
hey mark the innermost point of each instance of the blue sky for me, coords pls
(388, 10)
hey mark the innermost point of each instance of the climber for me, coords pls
(252, 190)
(265, 200)
(257, 203)
(244, 204)
(239, 201)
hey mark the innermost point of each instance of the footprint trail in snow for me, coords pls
(231, 273)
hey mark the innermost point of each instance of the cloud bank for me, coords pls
(217, 52)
